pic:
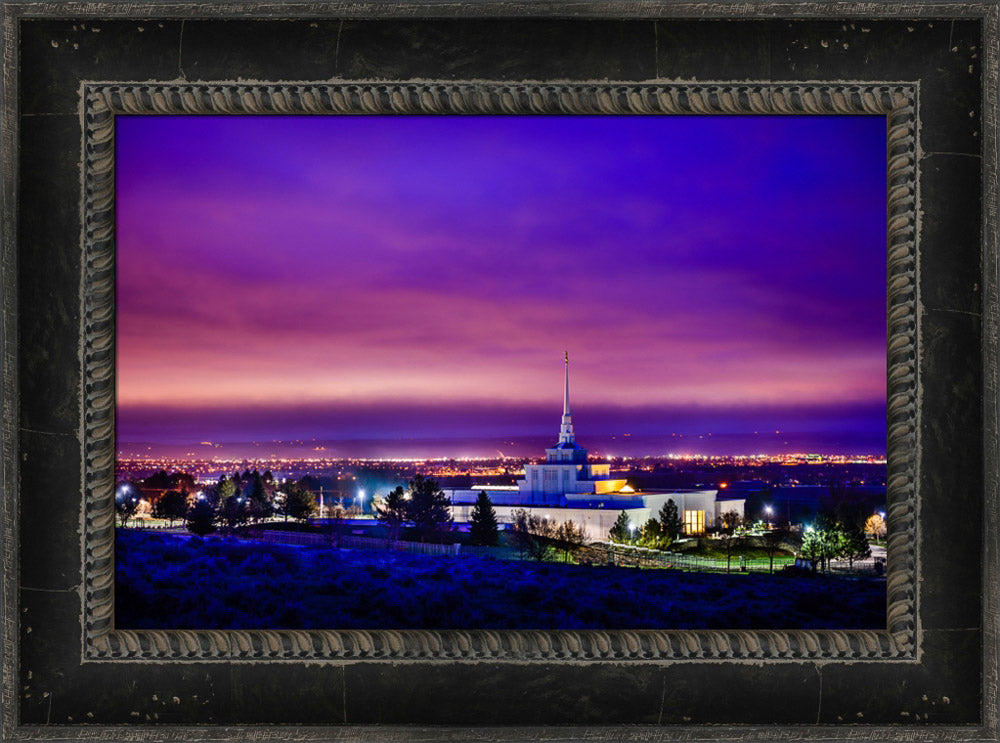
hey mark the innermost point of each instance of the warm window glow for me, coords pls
(694, 522)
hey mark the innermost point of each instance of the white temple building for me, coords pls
(568, 487)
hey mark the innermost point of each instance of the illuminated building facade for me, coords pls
(568, 487)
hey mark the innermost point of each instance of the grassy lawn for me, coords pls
(184, 582)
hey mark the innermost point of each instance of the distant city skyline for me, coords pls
(358, 277)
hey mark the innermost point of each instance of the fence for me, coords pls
(624, 555)
(350, 541)
(596, 553)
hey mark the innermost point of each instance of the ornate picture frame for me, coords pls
(934, 665)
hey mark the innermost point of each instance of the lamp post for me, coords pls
(768, 510)
(361, 500)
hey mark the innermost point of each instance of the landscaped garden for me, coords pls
(189, 582)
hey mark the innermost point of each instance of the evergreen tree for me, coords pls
(233, 511)
(200, 518)
(483, 525)
(621, 532)
(258, 504)
(428, 508)
(392, 512)
(670, 520)
(226, 495)
(651, 535)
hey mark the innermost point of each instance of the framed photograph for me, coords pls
(465, 370)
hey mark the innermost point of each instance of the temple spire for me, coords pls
(566, 429)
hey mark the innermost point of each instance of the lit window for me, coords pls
(694, 522)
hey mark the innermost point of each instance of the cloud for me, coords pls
(327, 261)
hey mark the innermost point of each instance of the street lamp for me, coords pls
(768, 510)
(361, 500)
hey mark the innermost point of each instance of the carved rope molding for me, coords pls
(102, 102)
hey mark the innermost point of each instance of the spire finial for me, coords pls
(566, 429)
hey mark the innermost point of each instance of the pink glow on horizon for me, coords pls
(336, 265)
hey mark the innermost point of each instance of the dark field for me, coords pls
(183, 582)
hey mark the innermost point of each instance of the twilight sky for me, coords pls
(345, 277)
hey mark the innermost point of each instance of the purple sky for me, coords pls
(357, 277)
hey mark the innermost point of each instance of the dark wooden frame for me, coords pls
(936, 667)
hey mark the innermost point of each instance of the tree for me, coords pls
(483, 526)
(875, 525)
(258, 504)
(233, 512)
(533, 535)
(772, 542)
(337, 515)
(126, 502)
(519, 534)
(823, 540)
(728, 523)
(621, 531)
(541, 537)
(570, 537)
(200, 518)
(428, 508)
(161, 481)
(172, 505)
(143, 509)
(812, 547)
(392, 512)
(854, 545)
(225, 489)
(299, 503)
(670, 520)
(651, 535)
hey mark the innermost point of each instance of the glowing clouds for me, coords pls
(327, 261)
